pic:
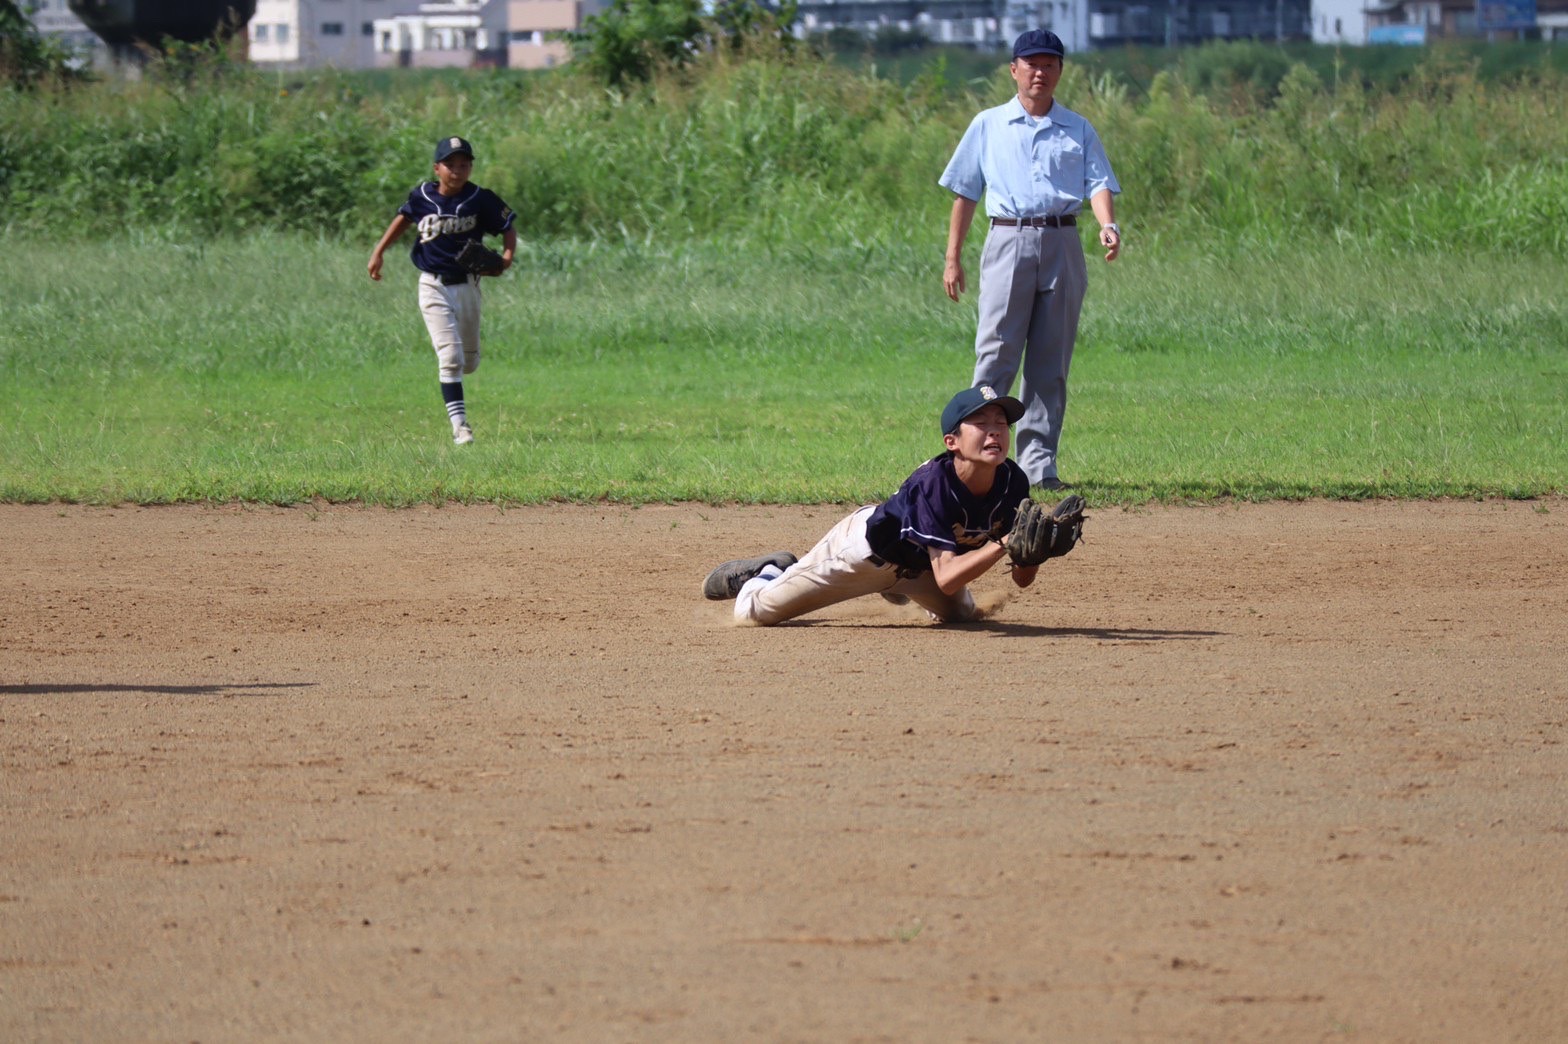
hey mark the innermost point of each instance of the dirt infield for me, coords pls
(1291, 771)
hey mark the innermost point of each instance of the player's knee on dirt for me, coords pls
(944, 609)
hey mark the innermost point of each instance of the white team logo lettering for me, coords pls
(433, 225)
(455, 143)
(986, 392)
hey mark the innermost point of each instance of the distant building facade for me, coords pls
(369, 34)
(1082, 24)
(307, 34)
(443, 35)
(1339, 22)
(534, 29)
(1421, 21)
(518, 34)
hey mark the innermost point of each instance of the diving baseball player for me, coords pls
(954, 518)
(448, 213)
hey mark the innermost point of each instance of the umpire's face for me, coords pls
(1036, 77)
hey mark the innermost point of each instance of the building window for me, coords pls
(283, 33)
(260, 32)
(366, 28)
(331, 28)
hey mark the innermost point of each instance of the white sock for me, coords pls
(749, 589)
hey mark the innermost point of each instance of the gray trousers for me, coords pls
(1032, 282)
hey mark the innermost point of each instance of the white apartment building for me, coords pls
(445, 34)
(1339, 22)
(308, 34)
(366, 34)
(519, 34)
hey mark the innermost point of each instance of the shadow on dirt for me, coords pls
(216, 689)
(1022, 630)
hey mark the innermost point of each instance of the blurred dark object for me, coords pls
(129, 25)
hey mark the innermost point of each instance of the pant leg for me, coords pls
(837, 569)
(440, 306)
(1008, 264)
(468, 309)
(1062, 278)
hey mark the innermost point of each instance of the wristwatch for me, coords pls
(1113, 227)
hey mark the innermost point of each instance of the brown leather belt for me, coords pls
(1065, 221)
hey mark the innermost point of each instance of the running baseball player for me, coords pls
(449, 213)
(955, 517)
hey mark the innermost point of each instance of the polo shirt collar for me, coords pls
(1016, 113)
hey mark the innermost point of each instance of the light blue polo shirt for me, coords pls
(1029, 167)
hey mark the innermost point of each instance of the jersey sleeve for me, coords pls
(410, 208)
(497, 216)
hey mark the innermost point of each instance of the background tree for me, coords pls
(631, 39)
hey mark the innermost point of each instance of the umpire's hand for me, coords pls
(1111, 240)
(953, 278)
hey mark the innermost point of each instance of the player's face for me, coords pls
(983, 436)
(1036, 76)
(454, 171)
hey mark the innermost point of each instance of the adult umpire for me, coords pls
(1036, 162)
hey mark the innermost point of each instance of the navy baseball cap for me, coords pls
(451, 147)
(1038, 41)
(972, 400)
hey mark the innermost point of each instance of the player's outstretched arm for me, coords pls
(953, 572)
(398, 226)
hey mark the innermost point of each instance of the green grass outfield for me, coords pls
(271, 369)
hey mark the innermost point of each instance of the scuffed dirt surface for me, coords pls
(1290, 771)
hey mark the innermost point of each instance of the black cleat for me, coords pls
(727, 580)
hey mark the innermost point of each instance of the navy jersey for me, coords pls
(444, 225)
(934, 509)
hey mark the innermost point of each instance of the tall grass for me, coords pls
(728, 288)
(789, 150)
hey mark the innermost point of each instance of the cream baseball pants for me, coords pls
(840, 567)
(452, 317)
